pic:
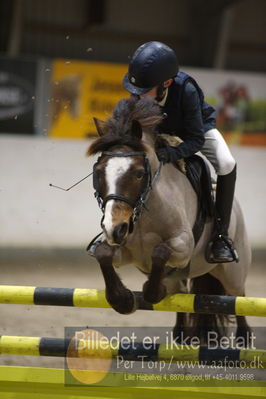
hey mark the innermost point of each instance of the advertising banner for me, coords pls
(17, 95)
(81, 91)
(240, 101)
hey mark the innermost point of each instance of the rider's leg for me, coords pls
(217, 152)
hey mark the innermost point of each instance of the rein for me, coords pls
(143, 197)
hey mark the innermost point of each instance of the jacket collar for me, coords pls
(163, 101)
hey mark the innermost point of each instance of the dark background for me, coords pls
(223, 34)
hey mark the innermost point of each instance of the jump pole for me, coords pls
(66, 347)
(92, 298)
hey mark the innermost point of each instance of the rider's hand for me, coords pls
(167, 154)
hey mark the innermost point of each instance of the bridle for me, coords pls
(147, 184)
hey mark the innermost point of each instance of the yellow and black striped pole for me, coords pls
(81, 297)
(138, 351)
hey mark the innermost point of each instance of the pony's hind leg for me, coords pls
(243, 330)
(119, 297)
(233, 279)
(153, 289)
(205, 324)
(181, 328)
(174, 284)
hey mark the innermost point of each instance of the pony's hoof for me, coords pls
(103, 252)
(153, 296)
(124, 303)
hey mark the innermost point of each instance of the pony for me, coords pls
(149, 210)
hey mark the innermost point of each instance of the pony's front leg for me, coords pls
(119, 297)
(153, 289)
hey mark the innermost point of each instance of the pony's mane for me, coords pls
(118, 128)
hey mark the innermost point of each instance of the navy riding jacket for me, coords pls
(187, 115)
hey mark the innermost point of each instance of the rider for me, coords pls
(153, 71)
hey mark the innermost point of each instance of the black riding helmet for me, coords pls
(151, 65)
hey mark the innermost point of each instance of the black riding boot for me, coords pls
(221, 248)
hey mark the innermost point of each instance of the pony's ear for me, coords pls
(100, 126)
(136, 129)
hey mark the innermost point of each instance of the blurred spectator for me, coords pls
(232, 109)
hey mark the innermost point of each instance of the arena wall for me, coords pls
(32, 214)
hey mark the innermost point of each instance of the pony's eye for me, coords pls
(139, 174)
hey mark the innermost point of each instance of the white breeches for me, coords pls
(217, 152)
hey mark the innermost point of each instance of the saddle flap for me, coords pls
(198, 173)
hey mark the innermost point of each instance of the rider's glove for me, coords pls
(167, 154)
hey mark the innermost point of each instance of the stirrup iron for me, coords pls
(208, 253)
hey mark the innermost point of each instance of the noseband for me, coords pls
(148, 183)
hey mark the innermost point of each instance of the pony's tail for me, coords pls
(202, 324)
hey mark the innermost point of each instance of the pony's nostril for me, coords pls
(119, 232)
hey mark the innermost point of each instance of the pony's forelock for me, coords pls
(118, 127)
